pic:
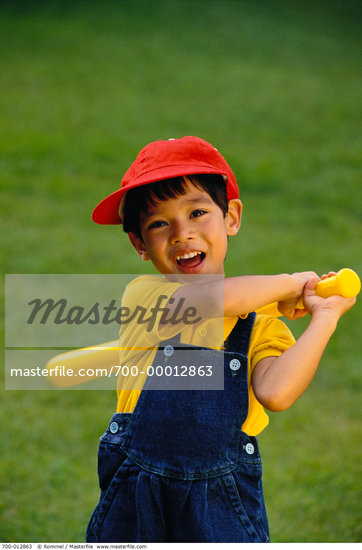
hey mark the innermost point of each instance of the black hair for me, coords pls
(138, 199)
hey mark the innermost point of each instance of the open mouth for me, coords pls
(190, 260)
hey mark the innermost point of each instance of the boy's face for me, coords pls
(187, 234)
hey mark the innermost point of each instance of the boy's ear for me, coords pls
(233, 216)
(139, 245)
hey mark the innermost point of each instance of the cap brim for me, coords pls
(106, 212)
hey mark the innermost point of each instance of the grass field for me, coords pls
(276, 87)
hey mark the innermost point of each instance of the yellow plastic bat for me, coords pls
(345, 283)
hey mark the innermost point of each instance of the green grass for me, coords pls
(276, 87)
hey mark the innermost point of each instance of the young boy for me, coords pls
(183, 465)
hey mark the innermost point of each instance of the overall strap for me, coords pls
(239, 338)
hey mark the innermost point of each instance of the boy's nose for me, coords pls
(181, 232)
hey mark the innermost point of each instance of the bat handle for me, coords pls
(345, 283)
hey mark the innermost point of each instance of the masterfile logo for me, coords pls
(65, 329)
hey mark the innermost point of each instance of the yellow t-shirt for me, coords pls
(270, 337)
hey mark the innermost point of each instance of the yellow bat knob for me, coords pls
(345, 283)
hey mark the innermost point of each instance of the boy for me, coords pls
(184, 466)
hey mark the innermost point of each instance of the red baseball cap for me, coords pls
(165, 159)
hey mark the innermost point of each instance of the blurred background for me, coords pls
(276, 87)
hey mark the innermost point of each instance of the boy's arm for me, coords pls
(279, 381)
(248, 293)
(236, 296)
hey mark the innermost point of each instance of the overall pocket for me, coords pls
(111, 459)
(245, 494)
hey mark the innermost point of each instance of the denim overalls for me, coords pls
(179, 468)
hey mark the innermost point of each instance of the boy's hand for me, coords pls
(288, 307)
(335, 306)
(290, 311)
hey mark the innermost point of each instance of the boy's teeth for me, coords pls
(187, 255)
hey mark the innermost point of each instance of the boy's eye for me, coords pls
(197, 213)
(157, 223)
